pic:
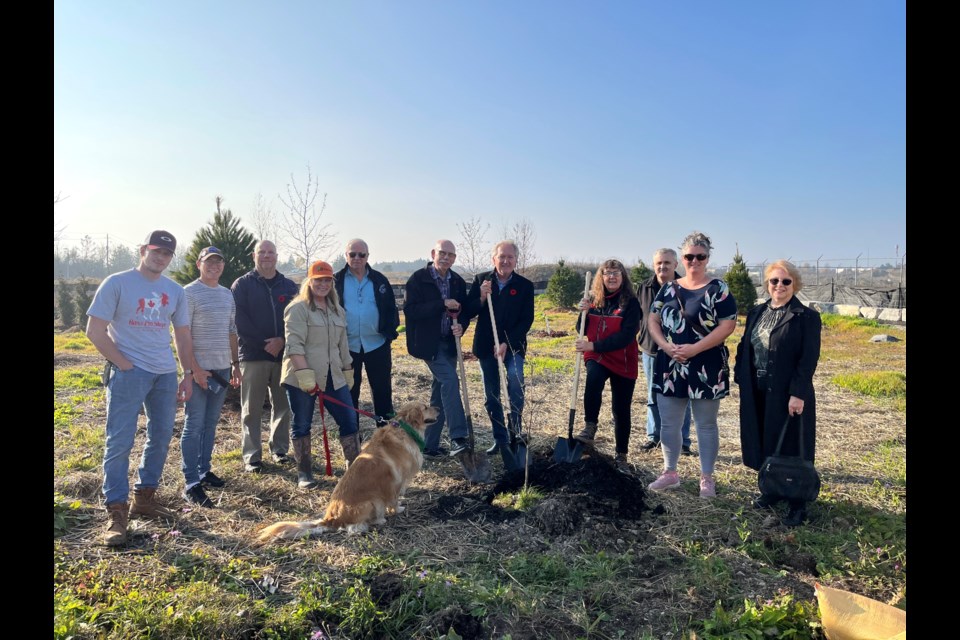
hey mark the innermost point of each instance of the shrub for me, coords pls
(564, 287)
(82, 299)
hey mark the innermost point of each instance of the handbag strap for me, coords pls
(783, 432)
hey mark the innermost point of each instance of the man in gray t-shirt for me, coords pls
(129, 323)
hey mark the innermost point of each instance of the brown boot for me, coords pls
(589, 432)
(620, 462)
(351, 447)
(304, 458)
(116, 533)
(145, 505)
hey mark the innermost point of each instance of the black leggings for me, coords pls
(621, 391)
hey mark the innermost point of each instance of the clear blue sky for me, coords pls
(614, 127)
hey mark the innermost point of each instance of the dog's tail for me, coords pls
(289, 530)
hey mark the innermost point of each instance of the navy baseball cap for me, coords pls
(209, 251)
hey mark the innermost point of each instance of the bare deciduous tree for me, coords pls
(525, 236)
(306, 237)
(57, 227)
(263, 221)
(473, 252)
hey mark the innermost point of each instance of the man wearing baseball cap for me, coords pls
(129, 323)
(213, 327)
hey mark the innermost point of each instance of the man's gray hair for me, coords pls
(665, 251)
(697, 239)
(354, 241)
(496, 247)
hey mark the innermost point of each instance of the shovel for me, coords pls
(475, 467)
(514, 454)
(571, 450)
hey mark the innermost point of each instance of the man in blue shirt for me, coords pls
(372, 321)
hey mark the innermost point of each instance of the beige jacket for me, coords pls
(319, 336)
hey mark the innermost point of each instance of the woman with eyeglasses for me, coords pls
(776, 359)
(689, 320)
(610, 352)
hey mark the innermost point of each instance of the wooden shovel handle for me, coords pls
(583, 327)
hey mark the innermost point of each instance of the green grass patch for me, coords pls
(77, 378)
(546, 364)
(521, 501)
(837, 321)
(876, 384)
(76, 342)
(781, 617)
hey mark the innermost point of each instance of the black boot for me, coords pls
(796, 515)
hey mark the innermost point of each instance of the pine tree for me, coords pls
(225, 233)
(82, 299)
(640, 273)
(741, 286)
(65, 308)
(564, 288)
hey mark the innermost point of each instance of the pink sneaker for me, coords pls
(667, 480)
(708, 486)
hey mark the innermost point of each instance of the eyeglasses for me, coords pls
(690, 257)
(612, 274)
(786, 281)
(357, 254)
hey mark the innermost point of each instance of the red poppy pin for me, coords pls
(281, 298)
(513, 292)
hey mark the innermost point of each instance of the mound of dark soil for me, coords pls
(590, 488)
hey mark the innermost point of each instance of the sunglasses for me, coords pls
(357, 254)
(690, 257)
(786, 281)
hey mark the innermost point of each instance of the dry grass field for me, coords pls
(582, 552)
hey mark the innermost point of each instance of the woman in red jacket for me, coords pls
(610, 352)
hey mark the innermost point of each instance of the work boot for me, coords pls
(116, 533)
(304, 458)
(587, 434)
(351, 447)
(620, 462)
(145, 505)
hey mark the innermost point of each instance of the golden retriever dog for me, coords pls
(373, 485)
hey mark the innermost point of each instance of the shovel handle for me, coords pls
(576, 373)
(496, 344)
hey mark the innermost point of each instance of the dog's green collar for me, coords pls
(410, 432)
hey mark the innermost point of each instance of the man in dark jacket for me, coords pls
(433, 295)
(372, 321)
(513, 311)
(261, 296)
(664, 270)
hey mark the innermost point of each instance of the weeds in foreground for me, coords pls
(780, 617)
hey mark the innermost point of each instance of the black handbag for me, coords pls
(789, 477)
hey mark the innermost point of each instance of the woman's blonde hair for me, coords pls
(306, 295)
(599, 292)
(789, 268)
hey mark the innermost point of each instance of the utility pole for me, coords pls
(856, 269)
(818, 269)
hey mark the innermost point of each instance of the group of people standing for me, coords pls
(271, 338)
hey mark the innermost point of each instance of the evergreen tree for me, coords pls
(65, 309)
(225, 233)
(741, 286)
(82, 299)
(565, 288)
(640, 273)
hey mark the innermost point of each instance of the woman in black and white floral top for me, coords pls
(689, 320)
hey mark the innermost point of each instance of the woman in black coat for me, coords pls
(776, 359)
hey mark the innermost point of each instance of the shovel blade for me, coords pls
(514, 455)
(568, 450)
(476, 467)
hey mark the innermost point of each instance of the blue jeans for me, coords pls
(127, 391)
(445, 395)
(201, 415)
(303, 405)
(653, 414)
(513, 362)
